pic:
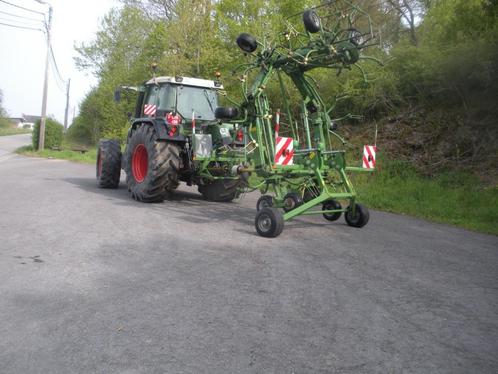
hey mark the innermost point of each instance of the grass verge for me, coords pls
(455, 198)
(4, 131)
(88, 157)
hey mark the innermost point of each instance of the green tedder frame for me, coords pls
(318, 174)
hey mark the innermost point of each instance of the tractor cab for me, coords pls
(179, 98)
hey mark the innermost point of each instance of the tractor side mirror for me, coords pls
(117, 95)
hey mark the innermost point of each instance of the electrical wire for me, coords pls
(23, 8)
(55, 65)
(20, 23)
(21, 27)
(59, 84)
(18, 16)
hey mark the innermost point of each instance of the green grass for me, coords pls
(4, 131)
(65, 154)
(455, 198)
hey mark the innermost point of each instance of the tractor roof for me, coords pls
(187, 81)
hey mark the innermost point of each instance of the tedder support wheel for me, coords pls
(265, 201)
(360, 218)
(269, 222)
(291, 201)
(331, 205)
(108, 163)
(221, 190)
(311, 21)
(151, 166)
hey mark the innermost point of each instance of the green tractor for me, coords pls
(180, 134)
(161, 147)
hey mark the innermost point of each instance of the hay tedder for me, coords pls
(180, 134)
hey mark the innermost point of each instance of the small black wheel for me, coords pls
(331, 205)
(269, 222)
(355, 36)
(265, 201)
(247, 42)
(360, 218)
(108, 166)
(311, 21)
(291, 201)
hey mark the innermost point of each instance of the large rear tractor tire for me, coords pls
(151, 166)
(221, 190)
(108, 168)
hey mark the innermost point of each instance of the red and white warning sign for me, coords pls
(284, 151)
(150, 110)
(369, 156)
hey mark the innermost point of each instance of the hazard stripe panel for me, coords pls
(150, 109)
(284, 151)
(369, 152)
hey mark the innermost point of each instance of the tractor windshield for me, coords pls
(183, 99)
(203, 101)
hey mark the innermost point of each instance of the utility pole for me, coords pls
(66, 114)
(41, 138)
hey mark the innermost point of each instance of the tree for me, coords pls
(410, 12)
(155, 9)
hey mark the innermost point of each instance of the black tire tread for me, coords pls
(164, 163)
(110, 153)
(222, 190)
(360, 219)
(277, 222)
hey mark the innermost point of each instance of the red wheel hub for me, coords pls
(139, 163)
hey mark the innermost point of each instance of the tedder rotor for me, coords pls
(180, 134)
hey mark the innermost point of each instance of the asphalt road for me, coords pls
(93, 282)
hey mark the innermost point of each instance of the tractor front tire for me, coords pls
(151, 166)
(108, 168)
(221, 190)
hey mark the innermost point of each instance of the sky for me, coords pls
(23, 53)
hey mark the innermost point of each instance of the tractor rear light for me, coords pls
(240, 135)
(173, 119)
(172, 131)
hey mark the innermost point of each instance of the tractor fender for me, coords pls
(159, 126)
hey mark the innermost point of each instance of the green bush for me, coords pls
(53, 134)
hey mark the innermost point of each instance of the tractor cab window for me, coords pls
(203, 101)
(167, 99)
(159, 100)
(151, 95)
(150, 102)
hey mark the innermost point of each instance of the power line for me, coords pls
(21, 27)
(22, 23)
(55, 64)
(18, 16)
(23, 8)
(57, 79)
